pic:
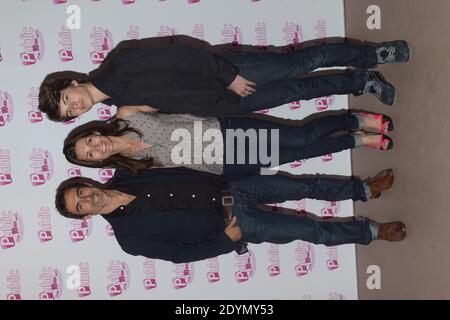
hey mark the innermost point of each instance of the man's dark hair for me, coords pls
(50, 92)
(77, 182)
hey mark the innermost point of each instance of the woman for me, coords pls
(138, 140)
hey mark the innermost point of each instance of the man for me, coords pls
(180, 74)
(179, 216)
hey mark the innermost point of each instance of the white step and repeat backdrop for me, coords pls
(39, 249)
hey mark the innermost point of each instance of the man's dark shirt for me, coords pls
(177, 74)
(177, 215)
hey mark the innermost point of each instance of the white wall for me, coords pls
(30, 150)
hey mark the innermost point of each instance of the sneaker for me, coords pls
(393, 52)
(380, 88)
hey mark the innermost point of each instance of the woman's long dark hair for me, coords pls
(113, 127)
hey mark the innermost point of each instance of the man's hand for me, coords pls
(127, 111)
(242, 86)
(233, 231)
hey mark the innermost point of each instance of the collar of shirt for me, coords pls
(123, 209)
(103, 81)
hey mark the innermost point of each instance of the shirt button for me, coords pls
(214, 199)
(193, 196)
(121, 208)
(148, 195)
(171, 194)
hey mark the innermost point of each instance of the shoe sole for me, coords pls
(390, 144)
(391, 124)
(411, 50)
(395, 98)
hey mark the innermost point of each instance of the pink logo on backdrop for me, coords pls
(297, 163)
(5, 168)
(330, 209)
(261, 36)
(74, 172)
(81, 229)
(42, 166)
(166, 31)
(274, 206)
(34, 115)
(102, 44)
(133, 32)
(274, 259)
(188, 1)
(72, 121)
(13, 285)
(104, 112)
(264, 111)
(292, 33)
(126, 2)
(85, 282)
(305, 258)
(45, 225)
(184, 275)
(325, 102)
(105, 174)
(1, 57)
(6, 108)
(327, 157)
(118, 277)
(213, 274)
(246, 266)
(199, 31)
(295, 105)
(32, 43)
(320, 30)
(232, 34)
(336, 296)
(11, 229)
(51, 283)
(65, 52)
(59, 1)
(150, 274)
(300, 207)
(110, 230)
(332, 258)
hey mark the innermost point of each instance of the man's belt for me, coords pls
(227, 203)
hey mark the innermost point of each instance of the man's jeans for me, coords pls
(310, 140)
(265, 226)
(276, 74)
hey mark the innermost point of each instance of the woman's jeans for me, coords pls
(251, 144)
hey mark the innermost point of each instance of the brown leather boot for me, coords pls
(392, 231)
(381, 181)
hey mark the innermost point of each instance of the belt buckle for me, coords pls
(227, 201)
